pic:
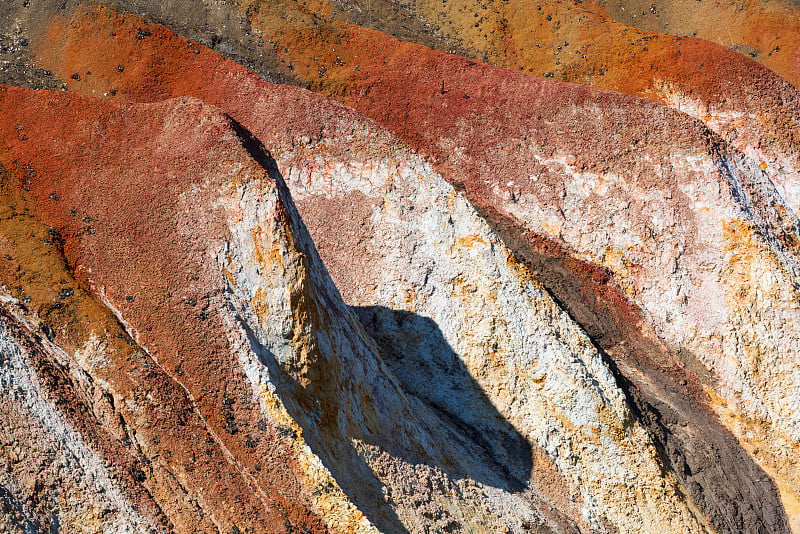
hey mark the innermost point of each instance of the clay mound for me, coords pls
(178, 274)
(162, 401)
(483, 127)
(750, 106)
(673, 250)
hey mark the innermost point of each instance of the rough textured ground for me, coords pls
(764, 30)
(255, 301)
(575, 311)
(467, 136)
(752, 107)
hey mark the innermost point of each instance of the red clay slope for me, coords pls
(109, 181)
(482, 109)
(484, 128)
(489, 115)
(751, 106)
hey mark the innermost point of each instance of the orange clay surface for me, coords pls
(747, 104)
(767, 30)
(479, 125)
(478, 106)
(567, 41)
(486, 111)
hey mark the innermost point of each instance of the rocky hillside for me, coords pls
(420, 267)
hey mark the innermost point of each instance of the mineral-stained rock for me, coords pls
(767, 31)
(155, 412)
(50, 477)
(751, 107)
(596, 230)
(280, 402)
(241, 291)
(580, 313)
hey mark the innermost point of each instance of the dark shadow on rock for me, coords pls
(338, 455)
(473, 440)
(483, 445)
(731, 491)
(415, 350)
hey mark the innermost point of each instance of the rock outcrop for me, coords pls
(293, 370)
(502, 303)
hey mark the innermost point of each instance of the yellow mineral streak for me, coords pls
(329, 499)
(769, 445)
(758, 440)
(282, 257)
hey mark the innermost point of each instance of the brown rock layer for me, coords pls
(555, 168)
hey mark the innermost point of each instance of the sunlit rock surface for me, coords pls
(508, 304)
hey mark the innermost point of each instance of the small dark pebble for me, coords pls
(76, 77)
(130, 298)
(66, 292)
(48, 331)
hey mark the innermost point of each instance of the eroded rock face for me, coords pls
(593, 222)
(183, 428)
(754, 108)
(538, 327)
(50, 477)
(256, 301)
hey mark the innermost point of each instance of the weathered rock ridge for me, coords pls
(502, 303)
(294, 374)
